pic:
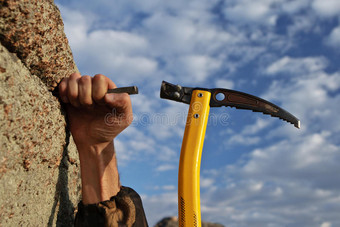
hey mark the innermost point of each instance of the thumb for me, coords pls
(121, 102)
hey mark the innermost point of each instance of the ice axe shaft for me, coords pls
(190, 159)
(200, 100)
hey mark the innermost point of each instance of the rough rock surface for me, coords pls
(39, 177)
(34, 31)
(173, 222)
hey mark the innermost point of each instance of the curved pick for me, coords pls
(231, 98)
(242, 100)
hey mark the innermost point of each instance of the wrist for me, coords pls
(99, 172)
(86, 140)
(89, 151)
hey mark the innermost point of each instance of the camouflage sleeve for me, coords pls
(124, 209)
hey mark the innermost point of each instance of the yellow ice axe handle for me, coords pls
(190, 160)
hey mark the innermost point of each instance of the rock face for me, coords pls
(173, 222)
(39, 179)
(34, 31)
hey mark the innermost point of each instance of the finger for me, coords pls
(100, 85)
(72, 89)
(85, 91)
(111, 85)
(63, 90)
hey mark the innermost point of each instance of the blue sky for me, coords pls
(256, 170)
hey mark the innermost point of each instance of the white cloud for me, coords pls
(334, 38)
(170, 34)
(259, 125)
(123, 156)
(310, 97)
(326, 224)
(327, 8)
(119, 54)
(249, 135)
(302, 24)
(255, 204)
(167, 154)
(169, 187)
(137, 145)
(278, 185)
(169, 122)
(292, 7)
(165, 167)
(162, 131)
(142, 104)
(118, 42)
(126, 68)
(206, 182)
(223, 83)
(244, 140)
(194, 68)
(185, 43)
(160, 206)
(252, 12)
(111, 52)
(296, 66)
(296, 160)
(76, 25)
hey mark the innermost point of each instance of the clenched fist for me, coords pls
(94, 116)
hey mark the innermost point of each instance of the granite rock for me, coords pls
(34, 31)
(39, 167)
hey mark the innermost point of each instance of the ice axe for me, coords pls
(200, 100)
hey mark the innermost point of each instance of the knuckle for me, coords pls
(85, 79)
(99, 78)
(75, 76)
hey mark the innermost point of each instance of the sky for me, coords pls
(256, 170)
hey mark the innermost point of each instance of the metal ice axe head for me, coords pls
(190, 159)
(231, 98)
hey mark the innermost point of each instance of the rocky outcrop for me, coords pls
(173, 222)
(34, 31)
(39, 179)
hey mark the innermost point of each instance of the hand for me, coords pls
(95, 119)
(94, 116)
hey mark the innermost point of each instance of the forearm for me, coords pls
(94, 125)
(99, 172)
